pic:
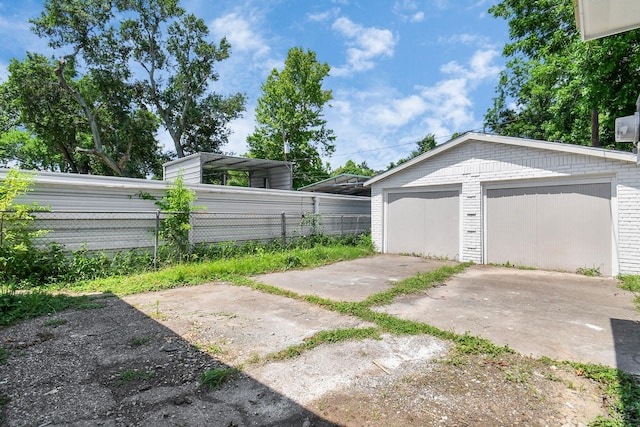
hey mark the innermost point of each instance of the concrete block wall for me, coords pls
(476, 164)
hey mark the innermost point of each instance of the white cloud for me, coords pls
(440, 4)
(323, 16)
(399, 112)
(417, 17)
(366, 45)
(239, 30)
(465, 39)
(449, 103)
(481, 66)
(407, 10)
(381, 125)
(241, 128)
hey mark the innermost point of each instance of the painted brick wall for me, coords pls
(476, 163)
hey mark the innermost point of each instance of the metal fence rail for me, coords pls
(116, 231)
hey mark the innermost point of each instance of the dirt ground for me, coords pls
(137, 362)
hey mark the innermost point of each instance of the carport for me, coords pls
(501, 200)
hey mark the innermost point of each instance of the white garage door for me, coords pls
(557, 227)
(424, 223)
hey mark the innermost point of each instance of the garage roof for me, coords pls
(522, 142)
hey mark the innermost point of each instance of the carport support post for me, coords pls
(283, 220)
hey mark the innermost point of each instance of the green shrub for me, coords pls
(174, 229)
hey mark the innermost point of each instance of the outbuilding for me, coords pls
(492, 199)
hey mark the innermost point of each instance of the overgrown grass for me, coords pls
(234, 270)
(632, 283)
(19, 305)
(16, 306)
(53, 264)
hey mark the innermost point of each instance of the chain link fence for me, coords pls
(118, 231)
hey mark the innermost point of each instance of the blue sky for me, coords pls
(400, 69)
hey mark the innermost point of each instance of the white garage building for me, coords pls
(494, 199)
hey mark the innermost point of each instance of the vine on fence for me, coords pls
(174, 230)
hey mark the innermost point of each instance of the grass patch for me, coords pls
(17, 306)
(56, 322)
(326, 337)
(590, 272)
(632, 283)
(128, 376)
(414, 284)
(234, 270)
(215, 378)
(138, 341)
(4, 356)
(211, 349)
(623, 391)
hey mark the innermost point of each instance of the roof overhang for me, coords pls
(600, 18)
(220, 162)
(508, 140)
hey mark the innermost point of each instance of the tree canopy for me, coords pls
(290, 112)
(126, 67)
(350, 167)
(556, 87)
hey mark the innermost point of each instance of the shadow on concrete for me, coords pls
(115, 366)
(626, 339)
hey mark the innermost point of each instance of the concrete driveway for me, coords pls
(539, 313)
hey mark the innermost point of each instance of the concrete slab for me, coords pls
(239, 323)
(352, 280)
(559, 315)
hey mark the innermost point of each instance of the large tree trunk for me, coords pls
(595, 128)
(97, 151)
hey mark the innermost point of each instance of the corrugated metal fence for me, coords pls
(115, 231)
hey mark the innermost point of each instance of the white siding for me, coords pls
(85, 210)
(475, 163)
(189, 167)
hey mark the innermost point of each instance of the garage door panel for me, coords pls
(425, 223)
(563, 227)
(406, 229)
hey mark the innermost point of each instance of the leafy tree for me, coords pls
(556, 87)
(179, 68)
(290, 112)
(44, 109)
(350, 167)
(108, 38)
(425, 144)
(20, 148)
(38, 104)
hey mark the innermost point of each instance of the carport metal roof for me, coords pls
(194, 166)
(345, 183)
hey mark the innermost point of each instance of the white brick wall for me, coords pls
(476, 163)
